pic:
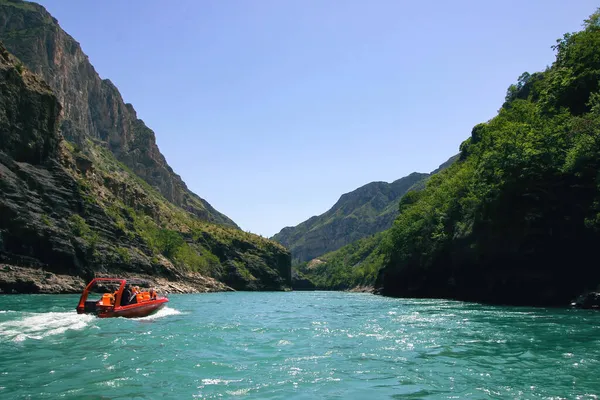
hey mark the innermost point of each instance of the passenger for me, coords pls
(153, 294)
(134, 292)
(128, 297)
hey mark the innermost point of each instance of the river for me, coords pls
(297, 345)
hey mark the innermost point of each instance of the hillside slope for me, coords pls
(517, 218)
(69, 212)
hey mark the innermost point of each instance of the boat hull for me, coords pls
(134, 310)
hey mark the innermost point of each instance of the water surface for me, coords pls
(299, 345)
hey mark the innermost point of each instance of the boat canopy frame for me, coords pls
(86, 291)
(115, 309)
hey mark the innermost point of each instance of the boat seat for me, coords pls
(143, 296)
(107, 299)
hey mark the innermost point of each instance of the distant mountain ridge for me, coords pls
(93, 107)
(357, 264)
(365, 211)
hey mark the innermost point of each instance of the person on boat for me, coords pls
(128, 297)
(134, 292)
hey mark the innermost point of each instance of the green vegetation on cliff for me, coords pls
(517, 219)
(356, 264)
(141, 214)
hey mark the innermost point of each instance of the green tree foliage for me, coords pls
(78, 225)
(168, 242)
(518, 217)
(356, 264)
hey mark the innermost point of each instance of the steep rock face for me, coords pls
(33, 184)
(358, 214)
(38, 195)
(31, 180)
(68, 214)
(28, 110)
(92, 107)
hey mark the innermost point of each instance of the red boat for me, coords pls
(113, 302)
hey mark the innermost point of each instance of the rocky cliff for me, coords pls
(69, 212)
(92, 107)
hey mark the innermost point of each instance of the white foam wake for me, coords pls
(163, 312)
(39, 326)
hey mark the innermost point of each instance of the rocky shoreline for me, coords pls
(24, 280)
(362, 289)
(27, 280)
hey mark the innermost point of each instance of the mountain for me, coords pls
(70, 211)
(363, 212)
(357, 264)
(517, 218)
(93, 107)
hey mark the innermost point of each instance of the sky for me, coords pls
(272, 109)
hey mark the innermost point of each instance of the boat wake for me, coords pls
(163, 312)
(39, 326)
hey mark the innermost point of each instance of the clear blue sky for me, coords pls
(271, 109)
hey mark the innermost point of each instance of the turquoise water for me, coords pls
(297, 345)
